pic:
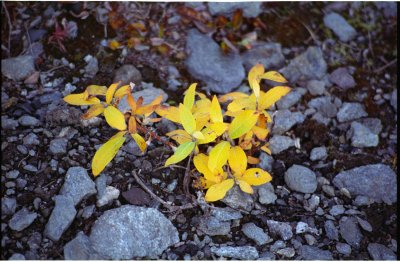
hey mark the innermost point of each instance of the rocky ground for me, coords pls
(333, 143)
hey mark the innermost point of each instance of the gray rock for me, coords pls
(34, 240)
(28, 121)
(22, 219)
(343, 248)
(361, 136)
(8, 206)
(267, 256)
(389, 8)
(30, 168)
(13, 174)
(266, 194)
(393, 99)
(362, 201)
(18, 68)
(373, 124)
(277, 245)
(88, 211)
(131, 232)
(148, 94)
(17, 256)
(318, 153)
(61, 218)
(8, 123)
(225, 214)
(80, 248)
(132, 148)
(291, 98)
(78, 185)
(109, 195)
(268, 54)
(314, 253)
(206, 62)
(285, 120)
(255, 233)
(58, 146)
(324, 105)
(212, 226)
(279, 143)
(340, 27)
(337, 210)
(303, 227)
(250, 9)
(286, 252)
(127, 74)
(380, 252)
(351, 111)
(308, 65)
(316, 87)
(237, 199)
(350, 231)
(364, 224)
(92, 66)
(242, 253)
(281, 229)
(266, 162)
(301, 179)
(378, 182)
(342, 78)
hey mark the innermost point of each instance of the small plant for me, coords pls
(232, 135)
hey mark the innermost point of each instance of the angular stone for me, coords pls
(316, 87)
(279, 143)
(18, 68)
(351, 111)
(380, 252)
(361, 136)
(8, 206)
(148, 94)
(268, 54)
(314, 253)
(324, 105)
(281, 229)
(350, 231)
(291, 99)
(318, 153)
(255, 233)
(225, 214)
(242, 253)
(22, 219)
(301, 179)
(213, 226)
(131, 232)
(340, 27)
(127, 74)
(285, 120)
(266, 162)
(343, 248)
(378, 182)
(237, 199)
(58, 146)
(78, 185)
(342, 78)
(250, 9)
(266, 194)
(80, 248)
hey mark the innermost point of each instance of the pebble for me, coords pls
(28, 121)
(291, 99)
(251, 9)
(361, 136)
(350, 111)
(282, 229)
(110, 194)
(18, 68)
(280, 143)
(8, 123)
(268, 54)
(237, 199)
(301, 179)
(78, 185)
(314, 253)
(285, 120)
(350, 231)
(127, 74)
(279, 244)
(212, 226)
(242, 253)
(17, 256)
(362, 201)
(88, 211)
(34, 240)
(324, 106)
(316, 87)
(342, 78)
(310, 239)
(22, 219)
(13, 174)
(331, 230)
(393, 100)
(266, 194)
(286, 252)
(318, 153)
(329, 190)
(340, 27)
(380, 252)
(30, 168)
(255, 233)
(364, 224)
(343, 248)
(92, 66)
(337, 210)
(58, 146)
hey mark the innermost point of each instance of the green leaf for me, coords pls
(181, 153)
(219, 155)
(188, 100)
(242, 123)
(187, 120)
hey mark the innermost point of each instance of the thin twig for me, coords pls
(186, 178)
(172, 166)
(10, 27)
(376, 71)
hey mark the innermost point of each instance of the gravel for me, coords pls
(351, 111)
(17, 256)
(364, 224)
(213, 226)
(324, 105)
(362, 136)
(314, 253)
(268, 54)
(291, 99)
(18, 68)
(266, 162)
(350, 231)
(331, 231)
(22, 219)
(237, 199)
(92, 66)
(58, 146)
(250, 9)
(109, 195)
(225, 214)
(80, 248)
(337, 210)
(279, 144)
(393, 99)
(380, 252)
(316, 87)
(222, 73)
(13, 174)
(378, 182)
(340, 27)
(281, 229)
(318, 153)
(373, 124)
(266, 194)
(61, 218)
(127, 74)
(285, 120)
(301, 179)
(8, 206)
(342, 78)
(8, 123)
(78, 185)
(255, 233)
(343, 248)
(241, 253)
(29, 121)
(131, 232)
(307, 66)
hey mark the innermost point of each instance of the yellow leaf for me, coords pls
(272, 96)
(231, 96)
(209, 136)
(181, 153)
(169, 112)
(157, 100)
(256, 176)
(200, 161)
(95, 90)
(218, 155)
(201, 95)
(115, 118)
(266, 150)
(242, 123)
(145, 110)
(180, 136)
(215, 111)
(219, 128)
(201, 120)
(106, 153)
(110, 92)
(123, 90)
(245, 142)
(261, 133)
(140, 141)
(237, 160)
(113, 44)
(252, 160)
(93, 111)
(254, 78)
(188, 99)
(239, 104)
(274, 76)
(131, 102)
(198, 135)
(80, 100)
(245, 187)
(218, 191)
(187, 120)
(119, 134)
